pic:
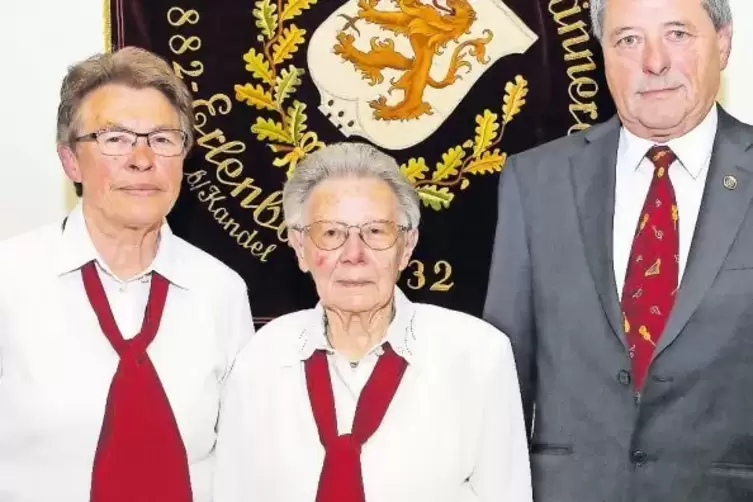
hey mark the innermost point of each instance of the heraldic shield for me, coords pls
(393, 72)
(450, 88)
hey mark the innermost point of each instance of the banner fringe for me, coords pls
(107, 11)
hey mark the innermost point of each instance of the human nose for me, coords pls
(656, 59)
(142, 155)
(354, 247)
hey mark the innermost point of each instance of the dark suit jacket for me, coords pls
(688, 436)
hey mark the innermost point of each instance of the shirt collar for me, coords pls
(693, 150)
(400, 333)
(77, 249)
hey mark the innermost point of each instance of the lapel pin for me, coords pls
(730, 182)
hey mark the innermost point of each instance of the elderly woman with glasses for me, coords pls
(368, 396)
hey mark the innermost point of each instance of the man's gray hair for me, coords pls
(130, 66)
(342, 160)
(719, 12)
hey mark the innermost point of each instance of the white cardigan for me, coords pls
(454, 431)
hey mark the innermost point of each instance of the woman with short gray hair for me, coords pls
(368, 396)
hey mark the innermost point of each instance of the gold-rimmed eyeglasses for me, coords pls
(116, 142)
(330, 235)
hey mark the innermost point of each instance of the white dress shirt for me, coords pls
(633, 179)
(56, 365)
(454, 431)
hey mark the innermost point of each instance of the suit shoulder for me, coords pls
(553, 152)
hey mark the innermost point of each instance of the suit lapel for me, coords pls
(721, 214)
(593, 177)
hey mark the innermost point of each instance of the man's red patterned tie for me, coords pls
(651, 279)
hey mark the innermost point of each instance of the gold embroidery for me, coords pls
(675, 215)
(659, 234)
(644, 220)
(659, 155)
(654, 269)
(626, 323)
(646, 335)
(660, 172)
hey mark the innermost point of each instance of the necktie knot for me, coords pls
(661, 156)
(344, 444)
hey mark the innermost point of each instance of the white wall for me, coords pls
(38, 42)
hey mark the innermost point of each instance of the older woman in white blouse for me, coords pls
(368, 396)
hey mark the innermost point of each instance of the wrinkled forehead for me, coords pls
(352, 200)
(119, 105)
(646, 14)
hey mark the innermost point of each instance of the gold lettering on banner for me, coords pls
(443, 274)
(580, 60)
(226, 184)
(211, 195)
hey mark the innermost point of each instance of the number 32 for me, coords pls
(441, 268)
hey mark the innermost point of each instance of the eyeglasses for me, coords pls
(115, 142)
(331, 235)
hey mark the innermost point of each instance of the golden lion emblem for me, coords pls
(429, 28)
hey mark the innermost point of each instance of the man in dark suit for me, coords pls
(623, 274)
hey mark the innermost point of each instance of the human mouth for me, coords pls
(141, 189)
(353, 283)
(658, 93)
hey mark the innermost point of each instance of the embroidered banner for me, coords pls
(451, 88)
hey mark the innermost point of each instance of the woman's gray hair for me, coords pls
(130, 66)
(341, 160)
(719, 12)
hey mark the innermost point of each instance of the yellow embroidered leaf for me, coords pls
(268, 128)
(293, 8)
(489, 162)
(435, 197)
(451, 160)
(296, 120)
(514, 99)
(464, 184)
(468, 144)
(415, 169)
(486, 132)
(266, 17)
(254, 95)
(287, 82)
(288, 44)
(258, 66)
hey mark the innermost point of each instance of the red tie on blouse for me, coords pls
(653, 270)
(341, 479)
(140, 455)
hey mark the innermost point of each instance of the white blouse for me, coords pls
(454, 431)
(56, 365)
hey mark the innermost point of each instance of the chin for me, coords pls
(143, 216)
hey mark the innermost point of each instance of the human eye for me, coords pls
(377, 228)
(167, 138)
(628, 41)
(327, 229)
(116, 138)
(678, 35)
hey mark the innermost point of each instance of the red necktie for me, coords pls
(140, 455)
(653, 270)
(341, 479)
